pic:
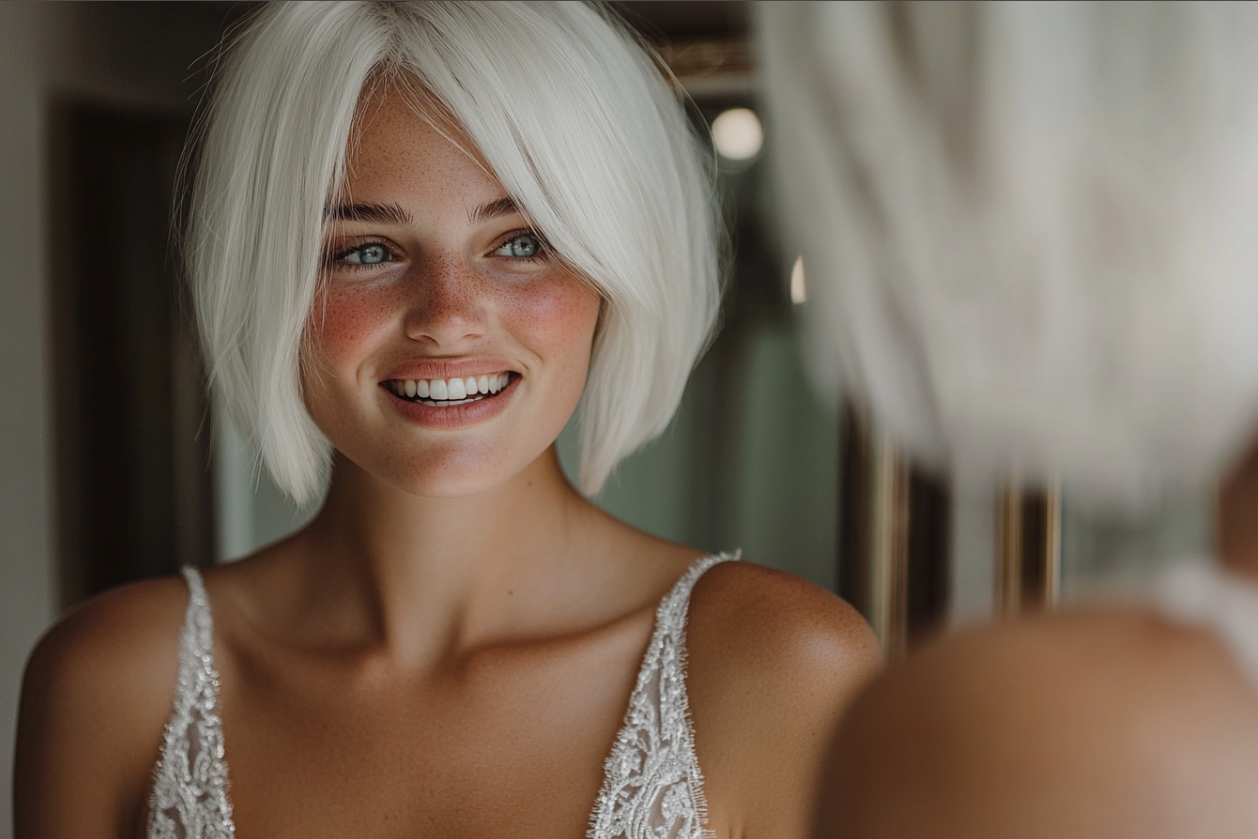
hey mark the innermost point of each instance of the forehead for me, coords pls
(397, 154)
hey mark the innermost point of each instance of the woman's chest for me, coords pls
(514, 742)
(551, 739)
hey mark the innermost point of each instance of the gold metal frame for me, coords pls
(894, 563)
(1028, 549)
(890, 548)
(893, 545)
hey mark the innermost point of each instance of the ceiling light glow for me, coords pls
(738, 134)
(799, 293)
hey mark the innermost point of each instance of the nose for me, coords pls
(446, 305)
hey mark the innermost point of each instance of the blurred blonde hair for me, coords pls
(1030, 229)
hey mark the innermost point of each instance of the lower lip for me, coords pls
(453, 416)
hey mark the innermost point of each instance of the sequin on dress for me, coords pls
(652, 786)
(189, 799)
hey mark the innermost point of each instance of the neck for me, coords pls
(422, 575)
(1236, 524)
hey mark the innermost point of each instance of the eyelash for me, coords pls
(337, 258)
(543, 251)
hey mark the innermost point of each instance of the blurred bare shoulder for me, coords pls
(1106, 723)
(773, 662)
(96, 694)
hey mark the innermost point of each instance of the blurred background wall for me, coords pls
(62, 66)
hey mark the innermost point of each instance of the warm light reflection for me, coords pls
(799, 293)
(738, 134)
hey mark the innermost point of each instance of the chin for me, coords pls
(453, 475)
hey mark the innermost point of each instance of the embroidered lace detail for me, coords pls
(652, 787)
(189, 798)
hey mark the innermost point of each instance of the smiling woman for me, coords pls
(423, 236)
(434, 279)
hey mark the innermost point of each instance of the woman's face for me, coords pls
(434, 285)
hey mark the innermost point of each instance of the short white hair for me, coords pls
(576, 120)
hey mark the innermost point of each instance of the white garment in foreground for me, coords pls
(652, 786)
(1201, 593)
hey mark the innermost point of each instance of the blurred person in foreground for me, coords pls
(1031, 232)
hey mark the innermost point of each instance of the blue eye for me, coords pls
(524, 246)
(372, 254)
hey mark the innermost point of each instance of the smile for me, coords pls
(445, 393)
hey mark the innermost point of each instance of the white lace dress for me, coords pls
(652, 786)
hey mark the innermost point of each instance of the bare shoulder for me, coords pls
(774, 660)
(110, 641)
(95, 697)
(1109, 723)
(772, 624)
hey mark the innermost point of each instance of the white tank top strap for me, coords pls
(1202, 593)
(189, 799)
(652, 786)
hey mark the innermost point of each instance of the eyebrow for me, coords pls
(387, 213)
(394, 214)
(492, 210)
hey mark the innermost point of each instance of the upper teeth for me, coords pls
(450, 388)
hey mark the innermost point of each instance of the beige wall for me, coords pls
(26, 592)
(130, 54)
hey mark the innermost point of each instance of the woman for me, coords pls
(421, 233)
(1030, 228)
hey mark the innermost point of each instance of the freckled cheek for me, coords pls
(552, 315)
(346, 323)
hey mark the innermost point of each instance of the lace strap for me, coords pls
(652, 786)
(196, 642)
(189, 799)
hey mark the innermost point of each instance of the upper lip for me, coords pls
(448, 368)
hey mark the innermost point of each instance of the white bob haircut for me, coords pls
(575, 119)
(1030, 229)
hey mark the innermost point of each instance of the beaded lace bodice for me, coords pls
(652, 786)
(189, 799)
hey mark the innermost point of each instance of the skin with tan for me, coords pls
(1106, 724)
(448, 649)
